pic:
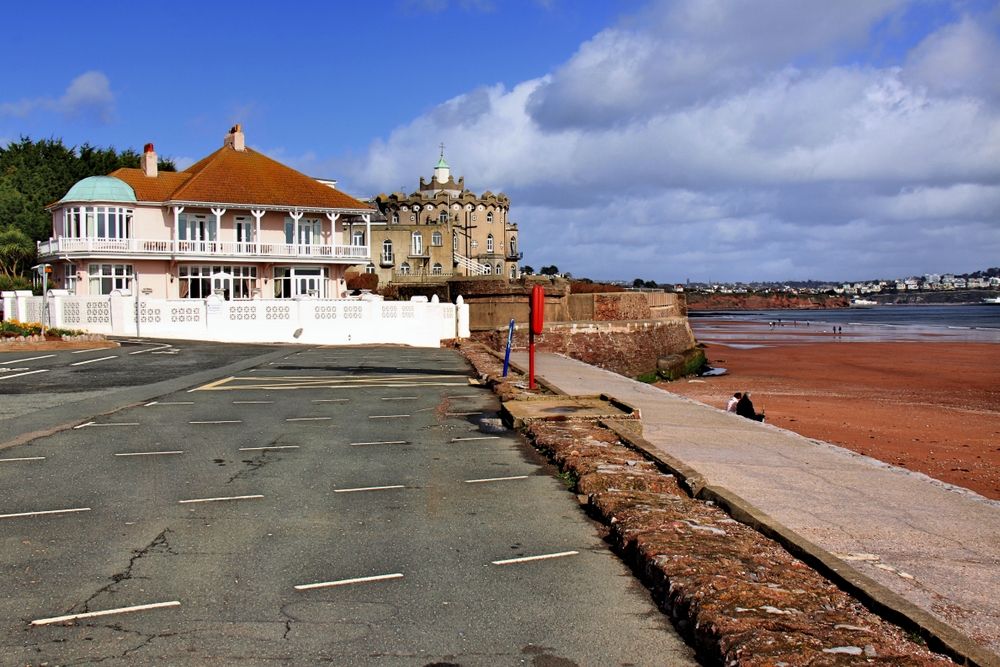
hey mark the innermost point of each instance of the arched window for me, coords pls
(418, 243)
(437, 239)
(443, 216)
(454, 242)
(513, 245)
(387, 252)
(436, 269)
(489, 217)
(489, 243)
(358, 238)
(395, 218)
(499, 269)
(487, 269)
(370, 268)
(513, 271)
(404, 269)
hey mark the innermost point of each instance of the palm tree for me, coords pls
(16, 250)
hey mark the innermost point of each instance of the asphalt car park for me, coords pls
(329, 506)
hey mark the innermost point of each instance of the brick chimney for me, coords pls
(235, 138)
(148, 161)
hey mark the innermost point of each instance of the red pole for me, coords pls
(531, 358)
(536, 321)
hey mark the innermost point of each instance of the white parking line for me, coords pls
(221, 421)
(106, 612)
(19, 361)
(531, 558)
(149, 405)
(330, 400)
(179, 451)
(481, 437)
(383, 442)
(94, 361)
(17, 375)
(24, 458)
(462, 414)
(108, 424)
(308, 419)
(151, 349)
(254, 449)
(11, 516)
(252, 402)
(92, 349)
(213, 500)
(495, 479)
(400, 398)
(344, 582)
(370, 488)
(388, 416)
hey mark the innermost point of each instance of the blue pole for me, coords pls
(510, 339)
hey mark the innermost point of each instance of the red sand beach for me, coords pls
(932, 407)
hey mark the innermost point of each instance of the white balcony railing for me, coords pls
(160, 247)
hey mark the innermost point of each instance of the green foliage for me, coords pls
(16, 252)
(527, 270)
(649, 378)
(549, 270)
(13, 328)
(34, 174)
(19, 282)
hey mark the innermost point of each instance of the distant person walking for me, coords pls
(744, 408)
(731, 406)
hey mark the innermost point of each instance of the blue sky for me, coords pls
(663, 139)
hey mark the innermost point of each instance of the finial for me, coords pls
(442, 150)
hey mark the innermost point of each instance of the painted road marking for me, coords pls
(94, 361)
(21, 361)
(481, 437)
(39, 513)
(213, 500)
(329, 382)
(254, 449)
(149, 405)
(330, 400)
(93, 349)
(344, 582)
(106, 612)
(178, 451)
(400, 398)
(24, 458)
(221, 421)
(462, 414)
(382, 442)
(108, 424)
(370, 488)
(388, 416)
(308, 419)
(531, 558)
(17, 375)
(252, 402)
(495, 479)
(151, 349)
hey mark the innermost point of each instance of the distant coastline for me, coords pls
(788, 301)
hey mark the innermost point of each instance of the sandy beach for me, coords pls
(930, 405)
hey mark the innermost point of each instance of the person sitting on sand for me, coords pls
(731, 405)
(744, 408)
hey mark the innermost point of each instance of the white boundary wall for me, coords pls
(367, 320)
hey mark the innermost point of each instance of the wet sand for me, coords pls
(931, 406)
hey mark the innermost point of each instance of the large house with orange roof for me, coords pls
(236, 224)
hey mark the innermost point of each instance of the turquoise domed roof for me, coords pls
(100, 188)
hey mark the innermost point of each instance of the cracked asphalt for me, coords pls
(328, 466)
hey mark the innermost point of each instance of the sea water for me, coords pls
(973, 323)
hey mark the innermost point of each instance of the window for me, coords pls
(404, 269)
(358, 238)
(454, 242)
(489, 217)
(104, 222)
(437, 239)
(244, 234)
(292, 281)
(487, 270)
(468, 207)
(310, 231)
(489, 243)
(395, 217)
(370, 268)
(387, 252)
(197, 228)
(413, 218)
(513, 271)
(195, 281)
(69, 277)
(104, 278)
(437, 269)
(418, 243)
(499, 269)
(443, 216)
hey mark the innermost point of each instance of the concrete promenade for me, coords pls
(936, 545)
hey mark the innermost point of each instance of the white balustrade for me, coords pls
(160, 247)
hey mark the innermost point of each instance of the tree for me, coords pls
(549, 270)
(651, 284)
(16, 252)
(638, 282)
(527, 270)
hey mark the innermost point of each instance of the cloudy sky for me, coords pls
(732, 140)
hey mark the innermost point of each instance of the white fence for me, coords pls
(169, 247)
(369, 320)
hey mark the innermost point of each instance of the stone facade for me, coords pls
(440, 231)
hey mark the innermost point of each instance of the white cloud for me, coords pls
(693, 142)
(88, 97)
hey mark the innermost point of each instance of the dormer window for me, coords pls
(395, 218)
(489, 217)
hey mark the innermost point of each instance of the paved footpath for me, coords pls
(936, 545)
